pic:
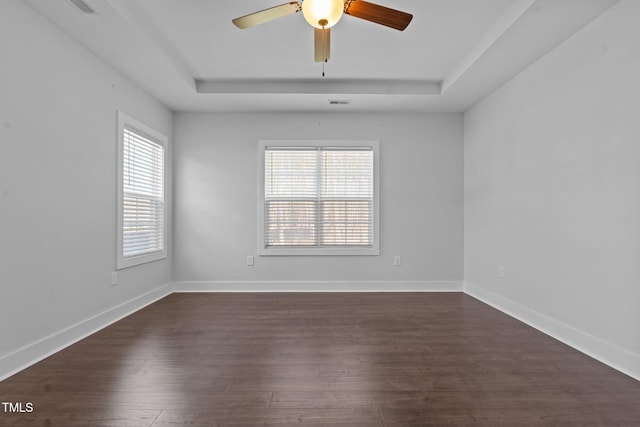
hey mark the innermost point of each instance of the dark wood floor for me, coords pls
(321, 359)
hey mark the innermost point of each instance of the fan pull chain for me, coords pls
(324, 48)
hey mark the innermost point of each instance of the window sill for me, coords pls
(318, 251)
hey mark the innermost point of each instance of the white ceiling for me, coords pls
(189, 55)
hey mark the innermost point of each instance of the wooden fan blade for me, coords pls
(322, 43)
(378, 14)
(266, 15)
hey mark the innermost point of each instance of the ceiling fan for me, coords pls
(324, 14)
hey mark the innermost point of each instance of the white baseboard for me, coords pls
(318, 286)
(610, 354)
(31, 354)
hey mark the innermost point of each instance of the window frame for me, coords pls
(263, 250)
(125, 121)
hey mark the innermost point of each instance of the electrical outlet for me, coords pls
(250, 260)
(114, 278)
(501, 272)
(397, 261)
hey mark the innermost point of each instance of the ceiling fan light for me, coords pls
(319, 12)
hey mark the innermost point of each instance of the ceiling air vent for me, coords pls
(339, 102)
(83, 6)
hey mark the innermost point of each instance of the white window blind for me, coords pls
(320, 197)
(143, 189)
(142, 196)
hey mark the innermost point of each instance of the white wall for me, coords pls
(552, 191)
(216, 197)
(58, 108)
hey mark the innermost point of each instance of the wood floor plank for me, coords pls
(345, 359)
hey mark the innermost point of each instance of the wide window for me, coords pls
(141, 193)
(318, 198)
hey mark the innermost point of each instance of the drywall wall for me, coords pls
(58, 108)
(216, 182)
(551, 191)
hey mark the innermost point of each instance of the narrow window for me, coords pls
(141, 193)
